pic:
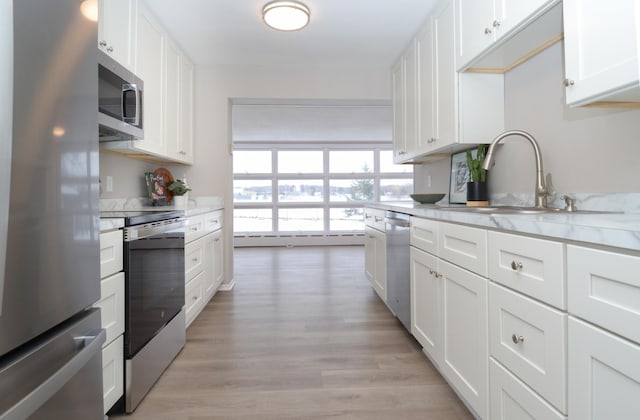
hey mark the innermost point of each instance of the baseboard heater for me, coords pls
(251, 240)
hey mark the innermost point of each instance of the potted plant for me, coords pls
(179, 188)
(477, 192)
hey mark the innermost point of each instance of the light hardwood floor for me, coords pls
(302, 336)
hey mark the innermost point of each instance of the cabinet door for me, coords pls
(217, 261)
(110, 253)
(208, 281)
(427, 125)
(411, 100)
(398, 105)
(150, 49)
(116, 30)
(172, 100)
(600, 47)
(474, 19)
(369, 254)
(380, 279)
(185, 149)
(426, 298)
(512, 13)
(604, 374)
(465, 358)
(445, 78)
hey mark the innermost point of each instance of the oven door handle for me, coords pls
(133, 233)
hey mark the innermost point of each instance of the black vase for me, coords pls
(477, 193)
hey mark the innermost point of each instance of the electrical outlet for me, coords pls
(109, 187)
(428, 181)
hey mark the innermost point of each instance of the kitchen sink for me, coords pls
(521, 210)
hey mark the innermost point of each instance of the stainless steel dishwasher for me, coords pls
(398, 276)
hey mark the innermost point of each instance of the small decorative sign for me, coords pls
(156, 188)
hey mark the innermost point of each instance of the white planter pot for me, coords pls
(180, 202)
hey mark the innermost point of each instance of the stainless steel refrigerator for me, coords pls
(50, 341)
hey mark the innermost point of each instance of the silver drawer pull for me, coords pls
(515, 266)
(194, 260)
(517, 339)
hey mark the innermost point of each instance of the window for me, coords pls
(313, 189)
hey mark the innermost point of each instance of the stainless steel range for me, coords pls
(154, 297)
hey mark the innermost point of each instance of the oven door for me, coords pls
(154, 279)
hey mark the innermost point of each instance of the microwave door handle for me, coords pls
(128, 89)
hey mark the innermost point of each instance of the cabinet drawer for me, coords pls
(193, 295)
(212, 221)
(510, 399)
(604, 287)
(111, 305)
(529, 338)
(464, 246)
(195, 228)
(532, 266)
(604, 374)
(193, 259)
(110, 253)
(112, 373)
(424, 234)
(374, 218)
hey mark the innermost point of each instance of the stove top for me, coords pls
(138, 217)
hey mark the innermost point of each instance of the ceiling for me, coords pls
(341, 32)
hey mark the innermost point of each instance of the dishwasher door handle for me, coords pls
(397, 222)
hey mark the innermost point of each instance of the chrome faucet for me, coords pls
(541, 191)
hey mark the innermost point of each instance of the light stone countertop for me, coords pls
(620, 230)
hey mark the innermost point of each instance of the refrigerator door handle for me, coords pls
(87, 345)
(6, 124)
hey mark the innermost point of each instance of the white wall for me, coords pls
(587, 150)
(215, 86)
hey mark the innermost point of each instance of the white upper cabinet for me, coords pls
(150, 67)
(601, 51)
(172, 98)
(513, 29)
(117, 30)
(436, 110)
(397, 99)
(185, 137)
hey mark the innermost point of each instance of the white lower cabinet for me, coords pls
(511, 399)
(204, 261)
(112, 372)
(529, 338)
(375, 246)
(604, 374)
(464, 353)
(426, 303)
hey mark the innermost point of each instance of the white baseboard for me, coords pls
(227, 287)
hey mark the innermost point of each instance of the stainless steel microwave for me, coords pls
(120, 101)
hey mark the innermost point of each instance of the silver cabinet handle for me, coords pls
(569, 82)
(517, 339)
(515, 266)
(487, 31)
(496, 23)
(103, 43)
(110, 49)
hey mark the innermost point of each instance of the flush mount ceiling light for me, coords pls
(286, 15)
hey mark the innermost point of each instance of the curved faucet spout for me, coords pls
(541, 192)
